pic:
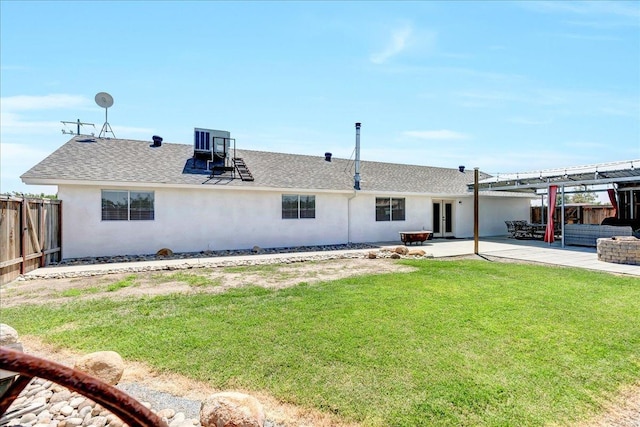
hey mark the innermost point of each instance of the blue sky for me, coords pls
(503, 86)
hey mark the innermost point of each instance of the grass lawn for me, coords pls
(453, 343)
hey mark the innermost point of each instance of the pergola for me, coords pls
(621, 180)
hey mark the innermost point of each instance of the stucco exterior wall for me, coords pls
(365, 228)
(493, 212)
(192, 220)
(188, 220)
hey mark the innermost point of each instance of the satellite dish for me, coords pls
(104, 100)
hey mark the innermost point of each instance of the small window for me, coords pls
(127, 205)
(390, 209)
(296, 206)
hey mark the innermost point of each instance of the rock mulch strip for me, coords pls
(212, 254)
(46, 404)
(329, 253)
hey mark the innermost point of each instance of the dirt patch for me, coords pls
(197, 280)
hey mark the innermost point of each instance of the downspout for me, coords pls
(356, 184)
(355, 193)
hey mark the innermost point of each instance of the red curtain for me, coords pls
(549, 232)
(614, 202)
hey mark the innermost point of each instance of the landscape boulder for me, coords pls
(231, 409)
(107, 366)
(8, 335)
(395, 256)
(164, 252)
(256, 249)
(416, 252)
(402, 250)
(372, 255)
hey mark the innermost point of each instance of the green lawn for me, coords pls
(455, 343)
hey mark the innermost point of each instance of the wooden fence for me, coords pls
(575, 214)
(30, 235)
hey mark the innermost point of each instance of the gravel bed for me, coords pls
(211, 254)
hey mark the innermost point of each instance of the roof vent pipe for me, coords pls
(327, 157)
(356, 178)
(157, 140)
(461, 168)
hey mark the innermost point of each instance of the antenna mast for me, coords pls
(78, 123)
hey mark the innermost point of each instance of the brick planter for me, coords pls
(619, 250)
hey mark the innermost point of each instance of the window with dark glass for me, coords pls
(390, 209)
(383, 209)
(118, 205)
(397, 209)
(296, 206)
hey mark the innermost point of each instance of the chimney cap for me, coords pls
(358, 124)
(327, 156)
(461, 168)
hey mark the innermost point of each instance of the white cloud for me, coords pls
(397, 44)
(626, 9)
(19, 113)
(46, 102)
(16, 159)
(435, 135)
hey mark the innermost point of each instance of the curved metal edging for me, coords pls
(111, 398)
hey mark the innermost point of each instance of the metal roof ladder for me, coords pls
(242, 169)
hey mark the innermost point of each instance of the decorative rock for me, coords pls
(416, 252)
(230, 409)
(166, 413)
(177, 419)
(164, 252)
(372, 255)
(27, 418)
(76, 401)
(395, 256)
(8, 335)
(66, 410)
(104, 365)
(99, 421)
(402, 250)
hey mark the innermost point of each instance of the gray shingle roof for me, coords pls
(136, 162)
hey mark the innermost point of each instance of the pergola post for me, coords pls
(562, 217)
(476, 211)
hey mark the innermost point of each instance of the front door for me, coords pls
(443, 218)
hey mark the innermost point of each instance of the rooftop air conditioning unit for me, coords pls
(210, 142)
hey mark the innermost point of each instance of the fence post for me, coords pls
(23, 235)
(41, 228)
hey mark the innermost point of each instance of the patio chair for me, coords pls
(511, 229)
(523, 230)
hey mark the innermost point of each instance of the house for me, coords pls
(125, 196)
